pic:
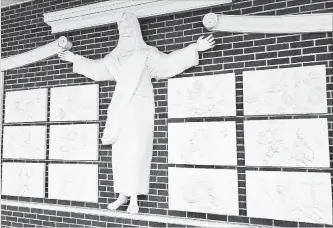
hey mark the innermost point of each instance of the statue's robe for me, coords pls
(130, 120)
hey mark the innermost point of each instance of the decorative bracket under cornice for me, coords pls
(106, 12)
(302, 23)
(36, 55)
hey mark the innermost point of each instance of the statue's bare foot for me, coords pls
(133, 208)
(120, 201)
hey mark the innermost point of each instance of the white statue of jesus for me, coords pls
(130, 119)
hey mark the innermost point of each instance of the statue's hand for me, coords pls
(204, 44)
(66, 56)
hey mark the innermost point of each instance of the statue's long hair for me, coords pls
(129, 20)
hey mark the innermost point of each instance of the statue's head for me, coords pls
(128, 25)
(129, 30)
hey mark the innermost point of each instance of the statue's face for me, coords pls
(125, 27)
(130, 36)
(125, 32)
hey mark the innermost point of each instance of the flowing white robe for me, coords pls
(130, 121)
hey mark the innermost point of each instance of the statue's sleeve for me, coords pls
(164, 66)
(96, 70)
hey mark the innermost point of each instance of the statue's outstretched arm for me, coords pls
(96, 70)
(169, 65)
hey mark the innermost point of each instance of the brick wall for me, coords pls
(23, 29)
(24, 216)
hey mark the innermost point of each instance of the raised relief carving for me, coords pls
(285, 91)
(76, 182)
(23, 179)
(294, 143)
(24, 142)
(26, 106)
(292, 196)
(203, 190)
(198, 194)
(75, 103)
(74, 142)
(202, 96)
(206, 143)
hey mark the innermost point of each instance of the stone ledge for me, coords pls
(122, 214)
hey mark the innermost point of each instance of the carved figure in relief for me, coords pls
(198, 141)
(65, 187)
(294, 94)
(199, 193)
(270, 139)
(199, 94)
(130, 123)
(302, 151)
(24, 177)
(283, 196)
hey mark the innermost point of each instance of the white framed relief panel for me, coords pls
(74, 142)
(2, 79)
(26, 106)
(203, 96)
(292, 196)
(297, 90)
(202, 143)
(77, 182)
(203, 190)
(23, 179)
(75, 103)
(288, 142)
(27, 142)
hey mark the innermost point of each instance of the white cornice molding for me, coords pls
(106, 12)
(302, 23)
(36, 55)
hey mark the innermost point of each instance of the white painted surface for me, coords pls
(108, 12)
(126, 215)
(202, 96)
(77, 182)
(37, 54)
(304, 23)
(294, 90)
(23, 179)
(292, 196)
(27, 142)
(74, 142)
(2, 79)
(75, 103)
(203, 190)
(202, 143)
(292, 142)
(26, 106)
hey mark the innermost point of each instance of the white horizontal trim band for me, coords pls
(121, 214)
(36, 55)
(302, 23)
(106, 12)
